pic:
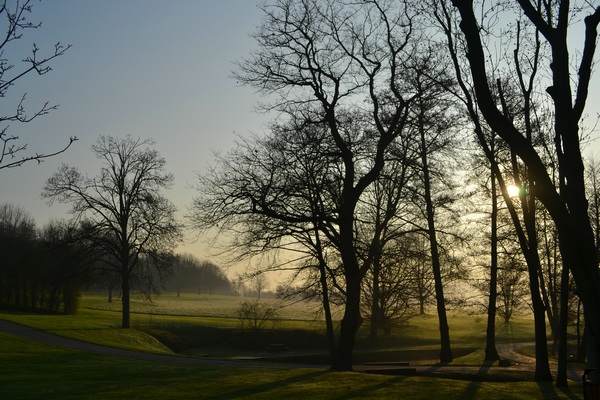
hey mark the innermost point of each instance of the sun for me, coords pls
(513, 191)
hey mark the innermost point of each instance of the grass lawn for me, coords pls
(35, 371)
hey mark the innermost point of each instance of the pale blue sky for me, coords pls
(146, 68)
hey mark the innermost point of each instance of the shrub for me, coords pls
(256, 315)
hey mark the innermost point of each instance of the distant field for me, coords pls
(201, 305)
(200, 324)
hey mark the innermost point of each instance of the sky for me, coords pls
(145, 68)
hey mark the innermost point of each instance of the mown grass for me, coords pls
(43, 372)
(35, 371)
(202, 324)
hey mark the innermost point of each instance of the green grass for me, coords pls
(43, 372)
(190, 324)
(175, 322)
(199, 305)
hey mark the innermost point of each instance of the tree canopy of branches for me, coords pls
(338, 65)
(539, 38)
(126, 216)
(14, 17)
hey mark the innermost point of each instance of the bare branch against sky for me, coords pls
(142, 69)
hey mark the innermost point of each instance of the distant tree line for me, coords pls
(191, 275)
(40, 269)
(46, 269)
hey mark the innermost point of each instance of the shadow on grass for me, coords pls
(364, 392)
(471, 391)
(549, 391)
(266, 387)
(485, 373)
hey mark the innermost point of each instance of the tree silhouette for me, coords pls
(126, 216)
(567, 205)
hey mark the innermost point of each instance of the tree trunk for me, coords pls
(125, 314)
(553, 292)
(445, 351)
(330, 333)
(491, 353)
(349, 326)
(561, 375)
(587, 282)
(351, 320)
(110, 293)
(581, 351)
(327, 309)
(542, 366)
(376, 321)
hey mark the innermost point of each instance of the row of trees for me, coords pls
(41, 270)
(46, 269)
(377, 102)
(190, 275)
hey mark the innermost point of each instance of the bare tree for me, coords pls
(127, 217)
(433, 123)
(567, 205)
(183, 267)
(319, 59)
(14, 16)
(384, 213)
(259, 283)
(277, 193)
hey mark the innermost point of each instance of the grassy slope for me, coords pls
(42, 372)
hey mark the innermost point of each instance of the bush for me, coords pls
(256, 315)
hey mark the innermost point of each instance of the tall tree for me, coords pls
(382, 225)
(15, 21)
(259, 282)
(491, 353)
(320, 58)
(126, 214)
(277, 193)
(432, 123)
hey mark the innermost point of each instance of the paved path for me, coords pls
(511, 351)
(507, 351)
